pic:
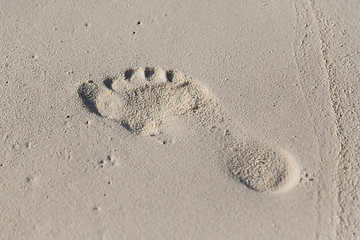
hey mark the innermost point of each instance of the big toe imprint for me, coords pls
(142, 98)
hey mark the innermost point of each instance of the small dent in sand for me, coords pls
(111, 160)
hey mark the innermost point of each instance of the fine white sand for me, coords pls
(179, 119)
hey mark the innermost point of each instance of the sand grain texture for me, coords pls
(179, 120)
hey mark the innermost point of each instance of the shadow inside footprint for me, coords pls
(87, 93)
(108, 82)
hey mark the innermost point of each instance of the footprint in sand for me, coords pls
(142, 99)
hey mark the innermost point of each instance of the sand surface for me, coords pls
(179, 119)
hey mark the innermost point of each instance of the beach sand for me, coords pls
(179, 119)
